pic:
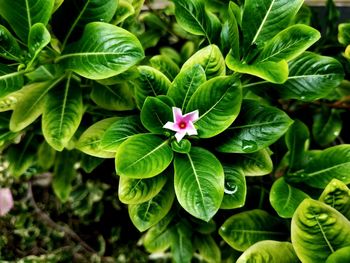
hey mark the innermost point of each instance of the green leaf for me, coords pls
(155, 114)
(254, 164)
(46, 156)
(148, 155)
(297, 141)
(230, 32)
(23, 14)
(9, 47)
(263, 19)
(339, 256)
(118, 97)
(289, 43)
(337, 195)
(318, 230)
(344, 33)
(218, 101)
(165, 65)
(150, 82)
(149, 213)
(256, 127)
(103, 51)
(90, 141)
(90, 163)
(62, 113)
(285, 198)
(269, 251)
(181, 245)
(31, 104)
(38, 38)
(172, 54)
(119, 131)
(124, 10)
(207, 248)
(185, 84)
(211, 60)
(235, 187)
(199, 182)
(183, 146)
(275, 72)
(136, 191)
(194, 18)
(244, 229)
(45, 72)
(323, 166)
(327, 126)
(10, 80)
(63, 175)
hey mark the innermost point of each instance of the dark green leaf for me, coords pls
(254, 164)
(181, 245)
(235, 187)
(207, 247)
(9, 47)
(10, 80)
(327, 126)
(46, 156)
(165, 65)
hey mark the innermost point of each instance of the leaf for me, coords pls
(333, 162)
(149, 213)
(120, 131)
(230, 33)
(64, 174)
(181, 245)
(269, 251)
(124, 10)
(23, 14)
(148, 156)
(244, 229)
(256, 127)
(31, 104)
(62, 114)
(117, 97)
(90, 141)
(38, 38)
(218, 101)
(235, 187)
(275, 72)
(199, 182)
(136, 191)
(339, 256)
(194, 18)
(150, 82)
(337, 195)
(289, 43)
(344, 33)
(46, 156)
(327, 126)
(207, 247)
(103, 51)
(285, 198)
(211, 60)
(183, 146)
(172, 54)
(10, 80)
(318, 230)
(90, 163)
(165, 65)
(155, 114)
(263, 19)
(254, 164)
(45, 72)
(9, 47)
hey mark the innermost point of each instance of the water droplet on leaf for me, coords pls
(230, 187)
(249, 146)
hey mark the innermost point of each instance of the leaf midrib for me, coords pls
(327, 169)
(262, 23)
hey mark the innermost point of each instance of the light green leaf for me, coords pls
(172, 54)
(344, 33)
(254, 164)
(289, 43)
(318, 230)
(63, 175)
(118, 97)
(10, 80)
(62, 113)
(124, 10)
(119, 131)
(31, 104)
(235, 187)
(327, 126)
(194, 18)
(285, 198)
(211, 60)
(9, 47)
(166, 65)
(339, 256)
(218, 102)
(90, 141)
(185, 84)
(337, 195)
(199, 182)
(207, 248)
(269, 251)
(149, 213)
(38, 38)
(263, 19)
(150, 82)
(136, 191)
(23, 14)
(256, 127)
(103, 51)
(148, 156)
(46, 156)
(275, 72)
(181, 245)
(244, 229)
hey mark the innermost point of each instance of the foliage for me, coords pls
(257, 170)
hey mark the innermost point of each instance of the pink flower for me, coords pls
(183, 124)
(6, 201)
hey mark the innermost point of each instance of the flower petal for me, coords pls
(6, 201)
(171, 126)
(191, 116)
(191, 130)
(177, 114)
(180, 135)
